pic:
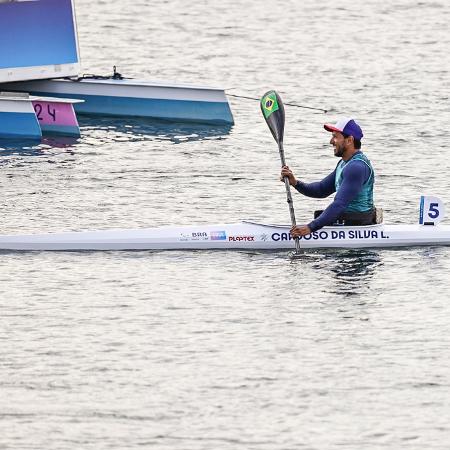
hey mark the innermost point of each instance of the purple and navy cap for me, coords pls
(346, 125)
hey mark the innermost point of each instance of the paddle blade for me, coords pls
(273, 111)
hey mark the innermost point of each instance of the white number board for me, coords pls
(432, 210)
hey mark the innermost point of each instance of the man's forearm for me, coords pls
(319, 189)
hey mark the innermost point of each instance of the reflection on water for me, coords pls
(354, 264)
(25, 148)
(20, 146)
(137, 129)
(117, 129)
(59, 141)
(352, 269)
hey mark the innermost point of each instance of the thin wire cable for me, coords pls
(289, 104)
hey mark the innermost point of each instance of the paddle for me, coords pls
(273, 112)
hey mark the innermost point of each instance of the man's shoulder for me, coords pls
(356, 167)
(359, 159)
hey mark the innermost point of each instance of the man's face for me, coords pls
(338, 142)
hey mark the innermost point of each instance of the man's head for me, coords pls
(346, 136)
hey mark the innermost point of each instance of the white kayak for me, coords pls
(239, 236)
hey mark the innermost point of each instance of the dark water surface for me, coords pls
(233, 350)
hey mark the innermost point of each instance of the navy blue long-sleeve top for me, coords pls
(354, 176)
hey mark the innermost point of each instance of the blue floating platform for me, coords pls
(17, 118)
(129, 97)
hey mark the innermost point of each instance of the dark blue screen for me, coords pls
(37, 33)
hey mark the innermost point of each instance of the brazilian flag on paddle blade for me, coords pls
(269, 104)
(273, 112)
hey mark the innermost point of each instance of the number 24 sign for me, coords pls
(45, 112)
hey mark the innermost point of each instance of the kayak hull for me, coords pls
(239, 236)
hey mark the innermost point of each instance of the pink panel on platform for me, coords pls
(55, 113)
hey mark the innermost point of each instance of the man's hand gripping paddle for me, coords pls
(273, 112)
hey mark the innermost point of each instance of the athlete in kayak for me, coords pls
(352, 180)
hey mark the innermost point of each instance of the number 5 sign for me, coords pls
(432, 210)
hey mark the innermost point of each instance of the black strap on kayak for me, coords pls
(372, 217)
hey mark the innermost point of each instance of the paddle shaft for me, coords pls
(289, 196)
(273, 112)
